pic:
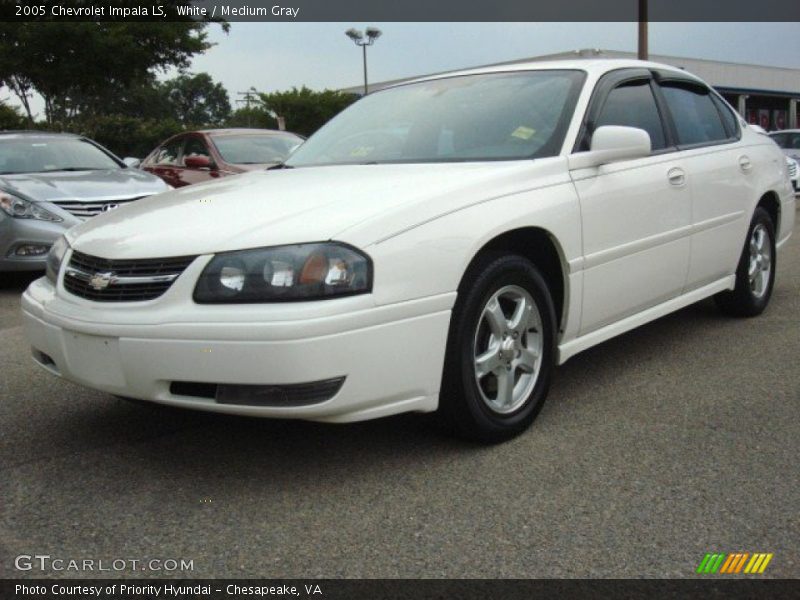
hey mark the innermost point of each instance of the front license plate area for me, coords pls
(94, 358)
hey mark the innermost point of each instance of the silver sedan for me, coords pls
(50, 182)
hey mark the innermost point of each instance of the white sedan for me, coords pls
(440, 246)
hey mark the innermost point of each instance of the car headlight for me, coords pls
(20, 208)
(285, 274)
(54, 258)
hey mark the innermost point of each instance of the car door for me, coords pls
(166, 160)
(636, 214)
(721, 176)
(196, 147)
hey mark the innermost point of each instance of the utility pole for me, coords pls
(643, 51)
(248, 96)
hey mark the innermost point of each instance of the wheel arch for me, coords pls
(770, 201)
(541, 247)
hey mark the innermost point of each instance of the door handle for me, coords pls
(745, 164)
(676, 177)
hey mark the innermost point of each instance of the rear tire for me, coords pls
(755, 274)
(500, 350)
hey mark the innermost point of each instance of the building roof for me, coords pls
(744, 78)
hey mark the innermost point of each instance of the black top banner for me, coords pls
(407, 10)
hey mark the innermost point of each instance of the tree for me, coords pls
(10, 117)
(304, 110)
(79, 67)
(255, 116)
(197, 100)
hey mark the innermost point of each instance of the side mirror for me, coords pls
(132, 163)
(197, 162)
(612, 143)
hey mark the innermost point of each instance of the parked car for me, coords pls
(200, 156)
(794, 173)
(52, 181)
(441, 245)
(789, 142)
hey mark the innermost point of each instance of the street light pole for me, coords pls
(372, 34)
(364, 49)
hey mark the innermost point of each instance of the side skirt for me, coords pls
(569, 349)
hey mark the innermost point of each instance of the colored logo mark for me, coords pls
(734, 563)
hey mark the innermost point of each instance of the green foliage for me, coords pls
(197, 100)
(123, 135)
(255, 116)
(305, 110)
(128, 136)
(10, 118)
(80, 67)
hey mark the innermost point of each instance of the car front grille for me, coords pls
(792, 170)
(83, 209)
(136, 280)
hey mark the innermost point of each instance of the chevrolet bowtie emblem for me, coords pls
(100, 281)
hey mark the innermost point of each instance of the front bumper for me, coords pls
(391, 357)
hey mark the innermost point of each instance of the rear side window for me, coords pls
(697, 120)
(632, 105)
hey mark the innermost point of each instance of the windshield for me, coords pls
(256, 149)
(40, 155)
(498, 116)
(788, 140)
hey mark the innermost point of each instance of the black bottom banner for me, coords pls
(396, 589)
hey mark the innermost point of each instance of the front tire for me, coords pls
(755, 274)
(500, 350)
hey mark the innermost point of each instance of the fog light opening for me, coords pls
(26, 250)
(45, 360)
(296, 394)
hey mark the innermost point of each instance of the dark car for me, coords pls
(198, 156)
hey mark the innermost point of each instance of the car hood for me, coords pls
(108, 184)
(359, 204)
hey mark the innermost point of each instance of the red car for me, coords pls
(198, 156)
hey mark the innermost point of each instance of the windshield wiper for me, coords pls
(278, 166)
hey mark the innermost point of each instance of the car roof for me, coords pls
(33, 133)
(593, 66)
(242, 131)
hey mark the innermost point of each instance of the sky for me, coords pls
(277, 56)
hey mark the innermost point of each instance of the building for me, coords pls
(767, 96)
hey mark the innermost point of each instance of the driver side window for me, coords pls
(196, 147)
(169, 153)
(632, 104)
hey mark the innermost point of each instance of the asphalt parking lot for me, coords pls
(677, 439)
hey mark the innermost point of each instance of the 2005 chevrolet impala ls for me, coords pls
(439, 246)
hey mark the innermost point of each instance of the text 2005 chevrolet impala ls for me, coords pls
(440, 245)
